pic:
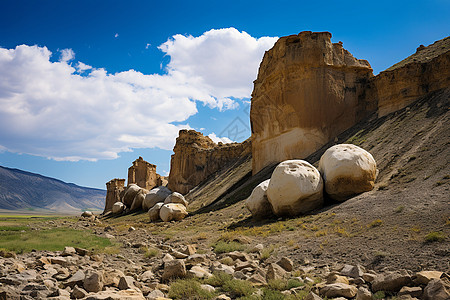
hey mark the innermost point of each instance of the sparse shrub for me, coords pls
(227, 261)
(321, 233)
(269, 294)
(435, 236)
(188, 289)
(293, 283)
(238, 287)
(225, 247)
(267, 252)
(399, 209)
(379, 295)
(375, 223)
(277, 284)
(218, 279)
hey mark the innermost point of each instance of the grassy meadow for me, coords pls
(23, 233)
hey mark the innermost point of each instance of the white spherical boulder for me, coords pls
(118, 208)
(295, 188)
(156, 195)
(176, 198)
(257, 203)
(347, 170)
(172, 211)
(130, 193)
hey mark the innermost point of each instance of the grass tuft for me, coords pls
(188, 289)
(435, 236)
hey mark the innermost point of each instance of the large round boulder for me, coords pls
(156, 195)
(153, 213)
(295, 188)
(130, 193)
(347, 170)
(118, 208)
(172, 211)
(257, 203)
(176, 198)
(139, 199)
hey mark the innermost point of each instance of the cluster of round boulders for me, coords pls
(160, 203)
(297, 187)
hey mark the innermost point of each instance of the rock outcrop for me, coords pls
(114, 189)
(347, 170)
(143, 174)
(196, 157)
(295, 188)
(306, 94)
(425, 71)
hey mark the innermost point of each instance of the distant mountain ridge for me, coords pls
(21, 190)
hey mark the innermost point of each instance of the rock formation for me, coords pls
(309, 90)
(143, 174)
(425, 71)
(306, 93)
(196, 157)
(295, 188)
(114, 188)
(347, 170)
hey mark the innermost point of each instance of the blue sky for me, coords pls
(96, 84)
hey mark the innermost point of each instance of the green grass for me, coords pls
(225, 247)
(188, 289)
(238, 287)
(435, 236)
(50, 239)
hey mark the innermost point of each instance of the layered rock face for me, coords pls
(196, 157)
(425, 71)
(143, 174)
(114, 188)
(306, 93)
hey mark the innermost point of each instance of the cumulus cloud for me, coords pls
(217, 139)
(64, 112)
(66, 55)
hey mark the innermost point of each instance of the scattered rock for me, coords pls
(118, 208)
(176, 198)
(174, 269)
(286, 263)
(153, 213)
(436, 290)
(424, 277)
(87, 214)
(93, 282)
(156, 195)
(338, 290)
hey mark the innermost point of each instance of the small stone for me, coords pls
(352, 271)
(189, 250)
(93, 282)
(198, 272)
(174, 269)
(415, 291)
(155, 295)
(286, 263)
(312, 296)
(436, 290)
(78, 293)
(275, 272)
(363, 294)
(391, 282)
(424, 277)
(76, 279)
(208, 288)
(69, 251)
(126, 282)
(338, 290)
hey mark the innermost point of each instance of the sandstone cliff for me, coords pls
(143, 174)
(306, 94)
(425, 71)
(196, 157)
(114, 188)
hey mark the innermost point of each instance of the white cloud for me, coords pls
(222, 61)
(55, 110)
(116, 35)
(217, 139)
(66, 55)
(148, 45)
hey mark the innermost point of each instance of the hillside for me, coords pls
(20, 190)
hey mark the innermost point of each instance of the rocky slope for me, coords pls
(24, 190)
(196, 157)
